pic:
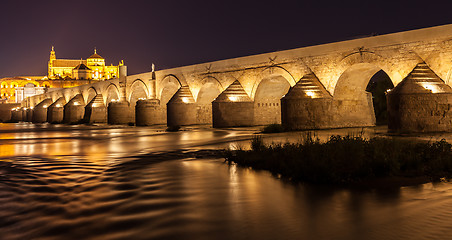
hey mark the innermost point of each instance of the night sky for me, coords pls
(177, 33)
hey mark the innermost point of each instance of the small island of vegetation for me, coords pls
(348, 160)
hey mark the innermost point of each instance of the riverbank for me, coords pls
(350, 160)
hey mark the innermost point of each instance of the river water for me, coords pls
(107, 182)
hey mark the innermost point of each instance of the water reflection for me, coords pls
(81, 183)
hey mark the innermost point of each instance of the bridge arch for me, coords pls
(209, 91)
(440, 62)
(396, 72)
(69, 93)
(355, 78)
(89, 94)
(138, 90)
(273, 83)
(111, 94)
(56, 95)
(353, 103)
(171, 76)
(167, 88)
(269, 73)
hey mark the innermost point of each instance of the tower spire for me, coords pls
(95, 50)
(52, 54)
(50, 65)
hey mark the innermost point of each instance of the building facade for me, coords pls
(93, 67)
(62, 73)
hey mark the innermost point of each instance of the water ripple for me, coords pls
(174, 195)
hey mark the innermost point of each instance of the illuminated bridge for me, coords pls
(313, 87)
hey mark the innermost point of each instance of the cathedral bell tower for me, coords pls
(52, 57)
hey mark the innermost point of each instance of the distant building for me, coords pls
(27, 91)
(93, 68)
(62, 73)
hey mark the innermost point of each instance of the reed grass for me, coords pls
(347, 159)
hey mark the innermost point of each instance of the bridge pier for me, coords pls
(181, 109)
(354, 112)
(40, 111)
(148, 112)
(29, 114)
(307, 105)
(55, 112)
(74, 110)
(17, 115)
(24, 114)
(95, 111)
(119, 113)
(233, 108)
(204, 113)
(420, 103)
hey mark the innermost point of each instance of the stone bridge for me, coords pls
(312, 87)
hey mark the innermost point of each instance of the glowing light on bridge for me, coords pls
(433, 87)
(185, 100)
(310, 94)
(233, 98)
(58, 105)
(45, 106)
(76, 103)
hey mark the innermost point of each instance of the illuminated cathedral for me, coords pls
(62, 73)
(93, 68)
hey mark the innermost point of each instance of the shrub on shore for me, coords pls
(347, 159)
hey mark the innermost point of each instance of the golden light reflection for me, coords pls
(310, 94)
(185, 100)
(7, 150)
(432, 87)
(233, 98)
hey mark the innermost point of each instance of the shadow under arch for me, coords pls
(269, 72)
(111, 93)
(352, 103)
(355, 80)
(138, 89)
(274, 82)
(89, 94)
(212, 78)
(56, 95)
(168, 87)
(209, 91)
